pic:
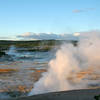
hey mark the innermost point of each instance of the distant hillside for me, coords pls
(33, 45)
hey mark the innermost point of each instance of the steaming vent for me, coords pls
(75, 67)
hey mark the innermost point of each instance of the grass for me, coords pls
(97, 97)
(33, 45)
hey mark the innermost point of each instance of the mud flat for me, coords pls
(19, 76)
(85, 94)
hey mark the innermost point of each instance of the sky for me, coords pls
(48, 16)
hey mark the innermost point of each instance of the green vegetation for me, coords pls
(97, 97)
(39, 45)
(2, 53)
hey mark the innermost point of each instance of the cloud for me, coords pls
(77, 11)
(45, 36)
(8, 38)
(83, 10)
(53, 36)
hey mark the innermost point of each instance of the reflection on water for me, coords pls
(19, 70)
(25, 68)
(17, 55)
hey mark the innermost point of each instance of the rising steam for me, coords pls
(70, 60)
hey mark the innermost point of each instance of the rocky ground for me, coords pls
(85, 94)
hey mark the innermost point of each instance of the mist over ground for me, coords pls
(68, 62)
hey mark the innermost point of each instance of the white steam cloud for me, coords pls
(70, 60)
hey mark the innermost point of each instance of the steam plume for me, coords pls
(70, 60)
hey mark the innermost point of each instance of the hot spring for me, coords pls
(73, 67)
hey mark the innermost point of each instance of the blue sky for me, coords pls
(42, 16)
